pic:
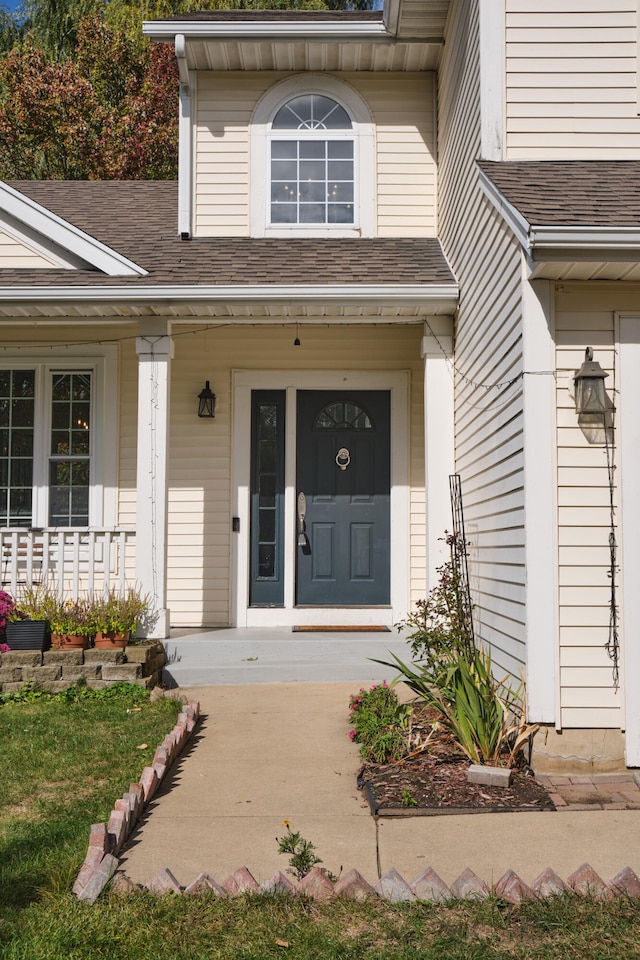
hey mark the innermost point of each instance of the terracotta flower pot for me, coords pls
(111, 641)
(69, 641)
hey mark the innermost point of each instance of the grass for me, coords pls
(63, 765)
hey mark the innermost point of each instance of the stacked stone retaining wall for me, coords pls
(56, 670)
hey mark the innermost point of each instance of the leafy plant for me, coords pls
(116, 613)
(34, 602)
(380, 723)
(302, 852)
(408, 799)
(71, 617)
(438, 627)
(485, 716)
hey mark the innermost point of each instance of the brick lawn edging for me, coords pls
(57, 670)
(107, 839)
(428, 887)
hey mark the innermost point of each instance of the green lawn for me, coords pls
(63, 765)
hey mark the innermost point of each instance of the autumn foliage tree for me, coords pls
(84, 96)
(110, 113)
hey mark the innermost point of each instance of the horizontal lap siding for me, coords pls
(489, 445)
(224, 105)
(402, 108)
(14, 255)
(199, 533)
(571, 81)
(586, 687)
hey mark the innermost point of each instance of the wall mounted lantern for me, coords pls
(590, 394)
(206, 402)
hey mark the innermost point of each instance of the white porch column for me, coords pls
(439, 459)
(155, 350)
(541, 554)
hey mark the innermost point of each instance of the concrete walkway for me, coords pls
(265, 753)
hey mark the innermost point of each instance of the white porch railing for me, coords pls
(73, 562)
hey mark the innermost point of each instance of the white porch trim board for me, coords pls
(439, 457)
(155, 352)
(628, 476)
(242, 615)
(492, 93)
(540, 501)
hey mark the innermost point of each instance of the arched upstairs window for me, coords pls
(312, 161)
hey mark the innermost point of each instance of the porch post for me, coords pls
(155, 350)
(439, 459)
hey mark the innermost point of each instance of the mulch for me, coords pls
(432, 780)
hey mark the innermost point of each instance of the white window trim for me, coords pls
(103, 366)
(363, 134)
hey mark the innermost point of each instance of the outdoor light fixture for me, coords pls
(206, 402)
(590, 394)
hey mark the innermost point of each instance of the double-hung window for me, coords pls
(54, 438)
(312, 163)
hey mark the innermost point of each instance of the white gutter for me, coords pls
(181, 57)
(313, 31)
(561, 237)
(422, 293)
(65, 235)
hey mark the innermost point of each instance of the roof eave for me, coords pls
(164, 31)
(444, 295)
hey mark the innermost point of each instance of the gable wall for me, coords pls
(488, 423)
(402, 105)
(571, 80)
(15, 255)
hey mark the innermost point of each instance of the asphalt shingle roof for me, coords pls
(139, 220)
(594, 193)
(285, 16)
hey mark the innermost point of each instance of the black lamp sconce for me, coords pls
(206, 402)
(590, 394)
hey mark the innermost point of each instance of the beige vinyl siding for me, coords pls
(199, 531)
(571, 80)
(585, 317)
(15, 255)
(488, 424)
(402, 107)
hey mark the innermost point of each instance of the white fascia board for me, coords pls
(391, 15)
(584, 238)
(62, 233)
(444, 294)
(166, 31)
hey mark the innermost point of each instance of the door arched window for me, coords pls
(312, 163)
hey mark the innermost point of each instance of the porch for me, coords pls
(228, 655)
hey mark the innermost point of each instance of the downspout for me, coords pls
(185, 172)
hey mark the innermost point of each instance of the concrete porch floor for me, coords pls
(229, 655)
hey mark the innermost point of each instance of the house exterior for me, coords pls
(393, 236)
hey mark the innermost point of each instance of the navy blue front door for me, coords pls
(343, 471)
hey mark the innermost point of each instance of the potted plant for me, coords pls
(28, 619)
(70, 624)
(114, 617)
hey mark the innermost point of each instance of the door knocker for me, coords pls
(343, 458)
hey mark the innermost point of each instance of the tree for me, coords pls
(110, 114)
(83, 95)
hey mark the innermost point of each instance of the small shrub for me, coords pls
(302, 852)
(438, 629)
(380, 723)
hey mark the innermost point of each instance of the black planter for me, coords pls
(28, 635)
